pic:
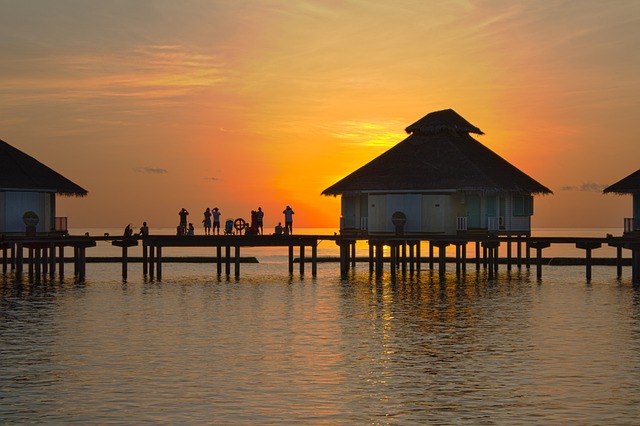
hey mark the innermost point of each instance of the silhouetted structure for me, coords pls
(629, 185)
(27, 185)
(439, 181)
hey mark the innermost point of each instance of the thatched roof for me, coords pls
(445, 120)
(628, 185)
(19, 171)
(438, 155)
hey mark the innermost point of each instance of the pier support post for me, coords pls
(290, 259)
(508, 253)
(4, 258)
(371, 257)
(237, 262)
(539, 246)
(393, 260)
(411, 258)
(431, 255)
(145, 258)
(219, 260)
(125, 244)
(314, 259)
(159, 262)
(588, 246)
(491, 248)
(152, 260)
(61, 260)
(353, 254)
(19, 260)
(442, 257)
(52, 259)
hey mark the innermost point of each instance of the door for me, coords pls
(472, 202)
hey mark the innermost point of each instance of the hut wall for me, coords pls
(2, 212)
(348, 212)
(410, 205)
(354, 212)
(377, 212)
(15, 203)
(519, 209)
(48, 209)
(636, 211)
(436, 209)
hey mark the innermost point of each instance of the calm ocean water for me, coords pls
(274, 348)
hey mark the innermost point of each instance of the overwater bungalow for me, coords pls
(629, 185)
(28, 191)
(441, 181)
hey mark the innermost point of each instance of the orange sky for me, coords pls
(155, 105)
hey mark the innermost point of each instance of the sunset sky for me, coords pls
(155, 105)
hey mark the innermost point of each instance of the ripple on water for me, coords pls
(270, 347)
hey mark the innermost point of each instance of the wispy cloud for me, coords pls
(586, 187)
(370, 133)
(213, 179)
(152, 170)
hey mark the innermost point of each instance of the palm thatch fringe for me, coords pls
(21, 172)
(627, 185)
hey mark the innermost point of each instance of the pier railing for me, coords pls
(630, 224)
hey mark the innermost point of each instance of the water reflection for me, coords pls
(274, 348)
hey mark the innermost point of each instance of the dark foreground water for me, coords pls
(271, 348)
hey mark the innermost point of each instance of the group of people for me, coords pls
(211, 216)
(128, 230)
(211, 223)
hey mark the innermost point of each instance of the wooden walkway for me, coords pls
(152, 247)
(45, 254)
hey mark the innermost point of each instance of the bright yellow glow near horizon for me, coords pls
(154, 106)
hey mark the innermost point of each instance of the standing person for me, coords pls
(144, 230)
(216, 220)
(253, 226)
(288, 220)
(183, 220)
(207, 221)
(260, 220)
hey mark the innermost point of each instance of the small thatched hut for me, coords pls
(443, 180)
(28, 185)
(629, 185)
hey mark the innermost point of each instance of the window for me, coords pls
(522, 205)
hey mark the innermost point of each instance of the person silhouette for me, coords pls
(260, 220)
(128, 232)
(216, 220)
(288, 220)
(207, 221)
(144, 230)
(278, 229)
(183, 220)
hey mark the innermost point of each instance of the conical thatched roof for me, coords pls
(19, 171)
(628, 185)
(438, 155)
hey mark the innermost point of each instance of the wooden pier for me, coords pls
(227, 250)
(45, 254)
